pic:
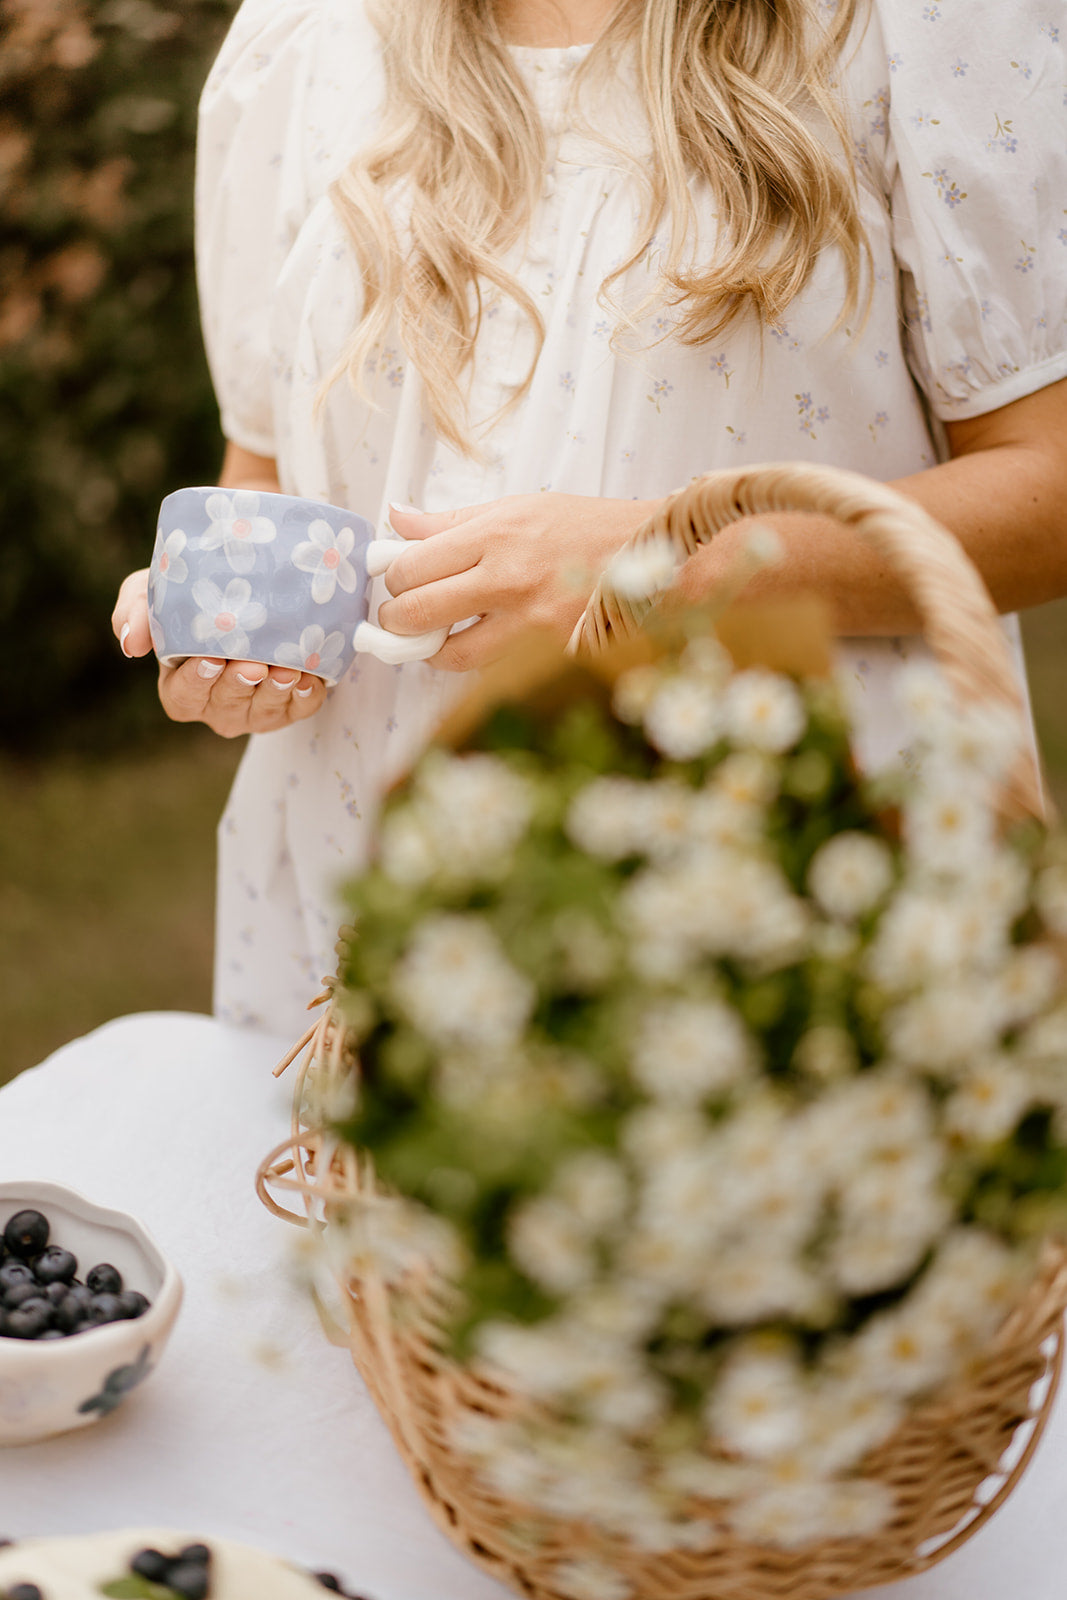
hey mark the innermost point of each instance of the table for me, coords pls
(254, 1427)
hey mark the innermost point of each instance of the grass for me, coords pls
(106, 870)
(106, 888)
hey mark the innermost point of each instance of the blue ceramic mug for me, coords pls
(249, 576)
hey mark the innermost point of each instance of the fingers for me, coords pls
(412, 524)
(129, 620)
(445, 556)
(435, 605)
(238, 697)
(477, 646)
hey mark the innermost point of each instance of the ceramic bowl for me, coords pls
(250, 576)
(53, 1386)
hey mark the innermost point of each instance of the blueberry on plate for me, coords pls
(150, 1564)
(188, 1579)
(198, 1554)
(104, 1279)
(26, 1234)
(24, 1591)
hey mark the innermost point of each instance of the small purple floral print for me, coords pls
(807, 414)
(881, 420)
(1025, 68)
(932, 14)
(1050, 30)
(1062, 236)
(1025, 262)
(923, 119)
(566, 382)
(738, 438)
(986, 310)
(949, 191)
(1003, 138)
(882, 358)
(895, 61)
(720, 364)
(660, 390)
(959, 67)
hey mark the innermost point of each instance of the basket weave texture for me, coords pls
(953, 1460)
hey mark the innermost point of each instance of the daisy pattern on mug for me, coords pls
(236, 528)
(227, 616)
(315, 651)
(324, 554)
(170, 565)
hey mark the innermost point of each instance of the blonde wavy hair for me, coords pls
(740, 92)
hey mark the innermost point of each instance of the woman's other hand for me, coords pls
(525, 561)
(232, 697)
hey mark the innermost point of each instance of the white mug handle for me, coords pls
(392, 648)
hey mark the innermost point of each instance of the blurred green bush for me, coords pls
(105, 403)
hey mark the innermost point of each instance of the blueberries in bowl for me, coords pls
(41, 1296)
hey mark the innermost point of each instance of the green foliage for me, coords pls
(104, 395)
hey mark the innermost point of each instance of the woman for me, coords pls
(531, 265)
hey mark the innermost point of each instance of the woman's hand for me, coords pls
(232, 697)
(526, 561)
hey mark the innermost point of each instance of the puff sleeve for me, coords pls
(282, 110)
(977, 141)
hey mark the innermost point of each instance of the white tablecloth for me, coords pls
(254, 1427)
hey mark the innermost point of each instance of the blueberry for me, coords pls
(68, 1314)
(151, 1564)
(13, 1272)
(56, 1292)
(105, 1308)
(328, 1580)
(135, 1304)
(198, 1554)
(27, 1322)
(26, 1234)
(24, 1591)
(55, 1265)
(19, 1293)
(51, 1333)
(188, 1579)
(104, 1279)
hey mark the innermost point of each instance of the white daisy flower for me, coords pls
(754, 1282)
(765, 710)
(949, 828)
(923, 695)
(236, 527)
(475, 808)
(594, 1188)
(989, 1099)
(902, 1352)
(683, 718)
(791, 1515)
(638, 572)
(325, 555)
(227, 617)
(550, 1243)
(757, 1406)
(633, 693)
(945, 1027)
(406, 851)
(685, 1050)
(607, 818)
(846, 1420)
(1027, 983)
(850, 873)
(457, 986)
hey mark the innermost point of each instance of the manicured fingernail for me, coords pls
(279, 683)
(417, 510)
(302, 694)
(253, 683)
(208, 669)
(123, 636)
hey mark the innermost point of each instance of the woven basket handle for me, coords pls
(959, 621)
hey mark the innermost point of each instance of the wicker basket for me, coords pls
(952, 1461)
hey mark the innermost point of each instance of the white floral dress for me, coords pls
(957, 111)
